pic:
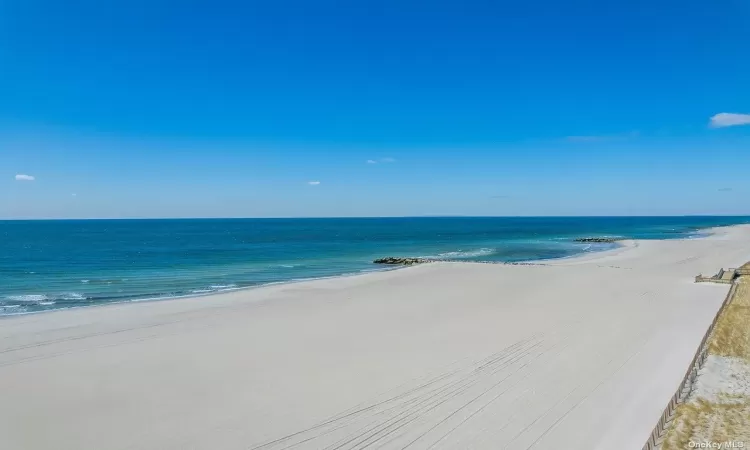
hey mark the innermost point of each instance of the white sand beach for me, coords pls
(582, 353)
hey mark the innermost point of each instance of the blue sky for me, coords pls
(232, 109)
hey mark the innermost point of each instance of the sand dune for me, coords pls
(582, 353)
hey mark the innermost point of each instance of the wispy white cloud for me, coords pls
(313, 183)
(381, 161)
(23, 177)
(722, 120)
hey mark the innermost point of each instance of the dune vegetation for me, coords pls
(718, 408)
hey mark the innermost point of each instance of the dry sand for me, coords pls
(717, 409)
(580, 354)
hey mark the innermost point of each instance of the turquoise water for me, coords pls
(47, 265)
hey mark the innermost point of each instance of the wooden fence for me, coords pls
(687, 382)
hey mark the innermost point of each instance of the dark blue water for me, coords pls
(59, 264)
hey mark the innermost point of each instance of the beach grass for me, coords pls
(731, 336)
(726, 416)
(700, 420)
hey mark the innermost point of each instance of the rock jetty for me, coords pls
(396, 261)
(401, 261)
(597, 239)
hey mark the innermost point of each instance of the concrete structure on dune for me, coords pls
(723, 276)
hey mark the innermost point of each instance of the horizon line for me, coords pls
(49, 219)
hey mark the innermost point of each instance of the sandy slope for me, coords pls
(580, 354)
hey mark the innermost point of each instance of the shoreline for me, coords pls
(583, 256)
(442, 356)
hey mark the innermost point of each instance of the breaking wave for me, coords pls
(464, 254)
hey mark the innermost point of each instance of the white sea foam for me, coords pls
(42, 299)
(223, 286)
(85, 281)
(27, 298)
(464, 254)
(214, 288)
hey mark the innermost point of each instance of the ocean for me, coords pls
(54, 264)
